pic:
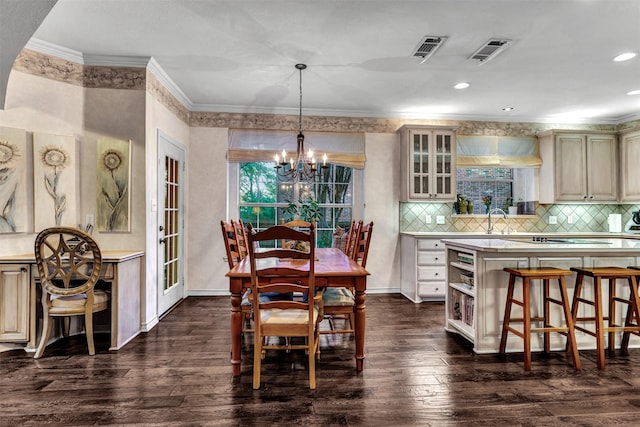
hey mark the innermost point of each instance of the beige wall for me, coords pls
(381, 198)
(206, 206)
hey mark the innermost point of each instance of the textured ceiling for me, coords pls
(239, 55)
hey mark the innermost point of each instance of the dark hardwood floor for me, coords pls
(415, 374)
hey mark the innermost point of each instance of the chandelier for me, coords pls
(301, 166)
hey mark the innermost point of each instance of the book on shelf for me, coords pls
(462, 307)
(465, 258)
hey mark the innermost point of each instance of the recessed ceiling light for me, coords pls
(634, 92)
(508, 109)
(462, 85)
(624, 56)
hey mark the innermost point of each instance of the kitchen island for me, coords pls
(477, 285)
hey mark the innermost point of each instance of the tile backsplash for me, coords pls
(586, 218)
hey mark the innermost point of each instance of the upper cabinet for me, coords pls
(578, 167)
(428, 163)
(630, 166)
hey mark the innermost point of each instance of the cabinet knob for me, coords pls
(23, 269)
(591, 197)
(436, 258)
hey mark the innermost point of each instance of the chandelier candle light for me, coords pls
(300, 166)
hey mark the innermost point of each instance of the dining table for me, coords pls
(332, 268)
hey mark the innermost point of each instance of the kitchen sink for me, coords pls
(570, 241)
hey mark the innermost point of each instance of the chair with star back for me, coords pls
(284, 271)
(69, 264)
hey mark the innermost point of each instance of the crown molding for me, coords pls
(55, 50)
(166, 81)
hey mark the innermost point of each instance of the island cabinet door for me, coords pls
(491, 294)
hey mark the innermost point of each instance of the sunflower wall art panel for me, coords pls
(113, 182)
(14, 217)
(55, 168)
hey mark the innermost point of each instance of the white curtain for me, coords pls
(506, 151)
(345, 149)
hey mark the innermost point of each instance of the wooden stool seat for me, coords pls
(546, 274)
(611, 274)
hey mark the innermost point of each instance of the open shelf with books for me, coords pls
(460, 296)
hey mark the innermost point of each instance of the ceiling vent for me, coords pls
(428, 46)
(490, 50)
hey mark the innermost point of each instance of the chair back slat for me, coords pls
(352, 239)
(230, 243)
(364, 240)
(241, 238)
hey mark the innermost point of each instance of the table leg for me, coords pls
(236, 332)
(360, 322)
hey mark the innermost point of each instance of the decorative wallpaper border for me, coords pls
(136, 78)
(91, 76)
(166, 98)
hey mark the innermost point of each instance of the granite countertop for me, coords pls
(560, 245)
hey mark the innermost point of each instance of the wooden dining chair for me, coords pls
(339, 303)
(69, 264)
(230, 232)
(284, 271)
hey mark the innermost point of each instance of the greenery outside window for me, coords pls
(265, 200)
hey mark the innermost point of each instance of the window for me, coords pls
(264, 200)
(476, 183)
(506, 186)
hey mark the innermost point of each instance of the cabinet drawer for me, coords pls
(431, 258)
(429, 244)
(431, 273)
(431, 289)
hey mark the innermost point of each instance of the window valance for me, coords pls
(345, 149)
(506, 151)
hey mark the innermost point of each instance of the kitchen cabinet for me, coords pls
(578, 167)
(423, 269)
(14, 302)
(428, 163)
(630, 166)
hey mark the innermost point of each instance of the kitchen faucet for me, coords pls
(504, 215)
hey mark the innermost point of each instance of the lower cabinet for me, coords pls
(423, 269)
(14, 302)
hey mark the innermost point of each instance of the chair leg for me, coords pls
(257, 358)
(599, 321)
(507, 314)
(312, 362)
(46, 331)
(571, 337)
(66, 326)
(88, 328)
(526, 308)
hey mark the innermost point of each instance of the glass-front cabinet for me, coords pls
(428, 163)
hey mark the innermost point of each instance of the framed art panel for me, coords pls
(54, 180)
(13, 181)
(113, 182)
